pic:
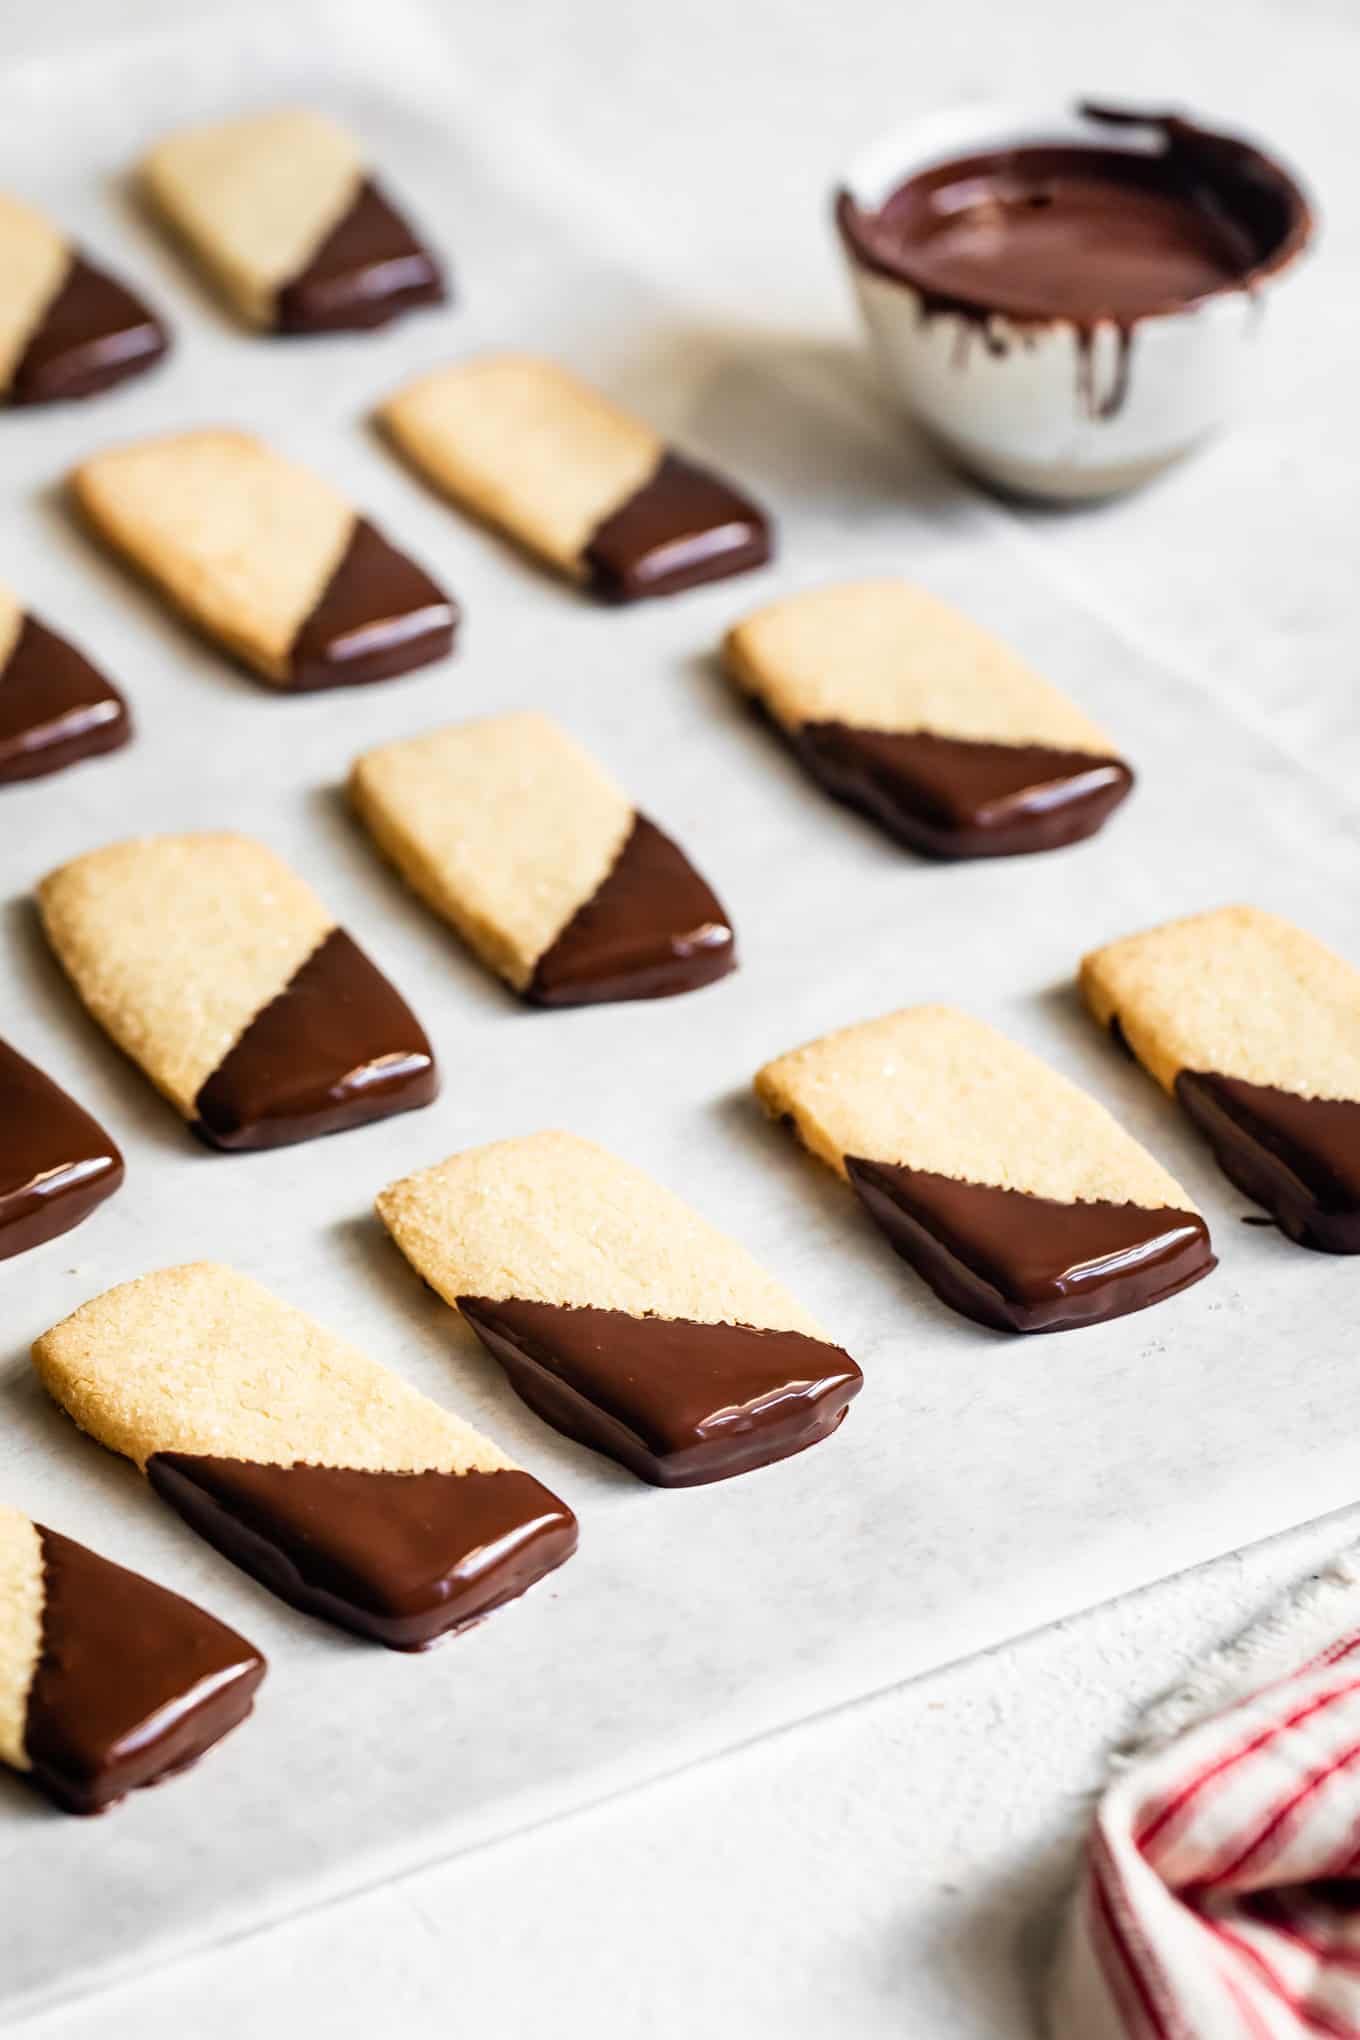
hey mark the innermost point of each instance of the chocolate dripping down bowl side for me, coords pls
(1053, 407)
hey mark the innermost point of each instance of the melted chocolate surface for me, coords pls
(369, 269)
(379, 615)
(94, 334)
(1299, 1157)
(56, 1163)
(55, 707)
(683, 527)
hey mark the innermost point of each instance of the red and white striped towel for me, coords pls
(1220, 1898)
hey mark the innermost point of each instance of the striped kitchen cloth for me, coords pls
(1220, 1894)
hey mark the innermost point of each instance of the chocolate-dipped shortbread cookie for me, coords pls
(1255, 1027)
(310, 1466)
(219, 971)
(621, 1316)
(282, 213)
(67, 329)
(1016, 1196)
(55, 707)
(56, 1162)
(514, 834)
(916, 716)
(107, 1681)
(586, 487)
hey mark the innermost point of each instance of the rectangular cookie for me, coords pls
(1019, 1199)
(1255, 1027)
(218, 970)
(266, 558)
(514, 834)
(619, 1314)
(307, 1464)
(107, 1681)
(67, 329)
(57, 1164)
(55, 707)
(521, 444)
(917, 717)
(283, 215)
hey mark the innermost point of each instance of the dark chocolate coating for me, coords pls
(369, 269)
(683, 527)
(379, 615)
(56, 1163)
(94, 334)
(651, 928)
(1031, 1264)
(950, 797)
(133, 1683)
(1299, 1157)
(55, 707)
(337, 1048)
(678, 1403)
(404, 1558)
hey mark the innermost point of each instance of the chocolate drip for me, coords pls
(679, 1403)
(1031, 1264)
(952, 797)
(370, 268)
(338, 1047)
(133, 1683)
(651, 928)
(379, 615)
(683, 527)
(55, 707)
(1299, 1157)
(56, 1163)
(400, 1557)
(94, 334)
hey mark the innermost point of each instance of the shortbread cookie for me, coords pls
(1015, 1195)
(282, 213)
(620, 1315)
(55, 707)
(305, 1462)
(1255, 1027)
(914, 715)
(67, 329)
(514, 834)
(217, 969)
(107, 1681)
(267, 559)
(596, 493)
(56, 1163)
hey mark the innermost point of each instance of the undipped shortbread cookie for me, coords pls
(67, 329)
(282, 213)
(514, 834)
(55, 707)
(107, 1681)
(56, 1162)
(620, 1315)
(305, 1462)
(1255, 1027)
(583, 485)
(217, 969)
(913, 714)
(266, 558)
(1016, 1196)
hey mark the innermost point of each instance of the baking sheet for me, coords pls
(979, 1486)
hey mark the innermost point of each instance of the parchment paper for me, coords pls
(980, 1486)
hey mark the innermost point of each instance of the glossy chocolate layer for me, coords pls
(1031, 1264)
(679, 1403)
(652, 928)
(379, 615)
(949, 797)
(56, 1163)
(400, 1557)
(133, 1683)
(683, 527)
(55, 707)
(1299, 1157)
(338, 1047)
(370, 268)
(94, 334)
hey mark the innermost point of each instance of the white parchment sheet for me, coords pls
(979, 1486)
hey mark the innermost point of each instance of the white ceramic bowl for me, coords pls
(1045, 408)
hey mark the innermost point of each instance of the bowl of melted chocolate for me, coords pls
(1070, 303)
